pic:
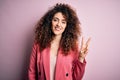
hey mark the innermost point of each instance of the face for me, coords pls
(58, 24)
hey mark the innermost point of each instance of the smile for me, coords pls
(58, 28)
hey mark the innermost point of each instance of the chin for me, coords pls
(58, 34)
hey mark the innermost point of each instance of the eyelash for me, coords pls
(64, 22)
(54, 19)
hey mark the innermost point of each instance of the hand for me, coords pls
(84, 49)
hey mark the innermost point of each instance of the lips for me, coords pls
(58, 28)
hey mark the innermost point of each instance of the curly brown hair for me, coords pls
(69, 39)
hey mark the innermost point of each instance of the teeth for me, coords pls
(58, 28)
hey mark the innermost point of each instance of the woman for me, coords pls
(55, 53)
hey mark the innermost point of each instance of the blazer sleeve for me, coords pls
(32, 70)
(78, 69)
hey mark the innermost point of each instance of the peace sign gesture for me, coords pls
(84, 49)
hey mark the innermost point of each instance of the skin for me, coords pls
(58, 26)
(84, 49)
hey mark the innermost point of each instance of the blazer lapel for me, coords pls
(46, 62)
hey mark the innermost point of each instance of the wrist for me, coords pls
(81, 59)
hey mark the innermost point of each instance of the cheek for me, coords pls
(53, 24)
(64, 26)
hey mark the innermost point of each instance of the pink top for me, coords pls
(52, 66)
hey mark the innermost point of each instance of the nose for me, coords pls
(59, 23)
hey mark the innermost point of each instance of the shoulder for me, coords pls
(35, 46)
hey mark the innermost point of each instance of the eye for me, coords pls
(55, 20)
(64, 22)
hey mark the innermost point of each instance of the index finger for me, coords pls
(88, 42)
(82, 42)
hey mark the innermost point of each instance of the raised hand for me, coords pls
(84, 48)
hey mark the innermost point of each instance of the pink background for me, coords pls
(100, 20)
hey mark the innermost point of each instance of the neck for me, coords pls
(57, 39)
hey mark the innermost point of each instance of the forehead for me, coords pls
(59, 15)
